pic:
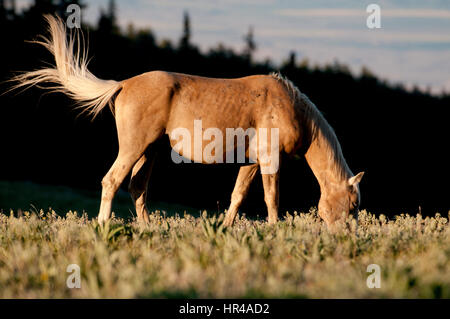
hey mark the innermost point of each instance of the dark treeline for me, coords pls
(399, 138)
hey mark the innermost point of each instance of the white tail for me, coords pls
(70, 73)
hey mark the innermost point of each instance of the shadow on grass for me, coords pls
(28, 196)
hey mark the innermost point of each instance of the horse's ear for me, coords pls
(352, 181)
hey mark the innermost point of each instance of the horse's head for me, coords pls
(340, 200)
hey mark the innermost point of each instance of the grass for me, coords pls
(178, 256)
(197, 257)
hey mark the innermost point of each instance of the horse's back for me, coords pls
(180, 99)
(219, 102)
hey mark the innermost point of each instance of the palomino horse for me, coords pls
(152, 104)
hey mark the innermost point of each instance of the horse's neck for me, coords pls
(326, 160)
(324, 154)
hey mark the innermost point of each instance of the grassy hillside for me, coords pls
(196, 257)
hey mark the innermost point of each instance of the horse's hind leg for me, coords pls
(112, 180)
(243, 181)
(134, 138)
(139, 182)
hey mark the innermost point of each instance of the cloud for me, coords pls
(361, 36)
(348, 13)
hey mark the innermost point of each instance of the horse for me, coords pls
(150, 105)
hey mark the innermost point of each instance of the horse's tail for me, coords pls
(70, 74)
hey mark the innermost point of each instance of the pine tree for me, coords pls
(250, 45)
(107, 23)
(186, 36)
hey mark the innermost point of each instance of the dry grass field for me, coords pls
(186, 256)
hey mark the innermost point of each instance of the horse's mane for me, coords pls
(318, 126)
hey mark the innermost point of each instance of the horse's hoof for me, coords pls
(227, 223)
(102, 221)
(143, 222)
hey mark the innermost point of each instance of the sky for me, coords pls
(411, 47)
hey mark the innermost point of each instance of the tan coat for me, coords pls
(152, 104)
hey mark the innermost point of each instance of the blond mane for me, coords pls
(320, 129)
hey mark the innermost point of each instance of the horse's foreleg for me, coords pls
(271, 195)
(112, 180)
(139, 183)
(243, 181)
